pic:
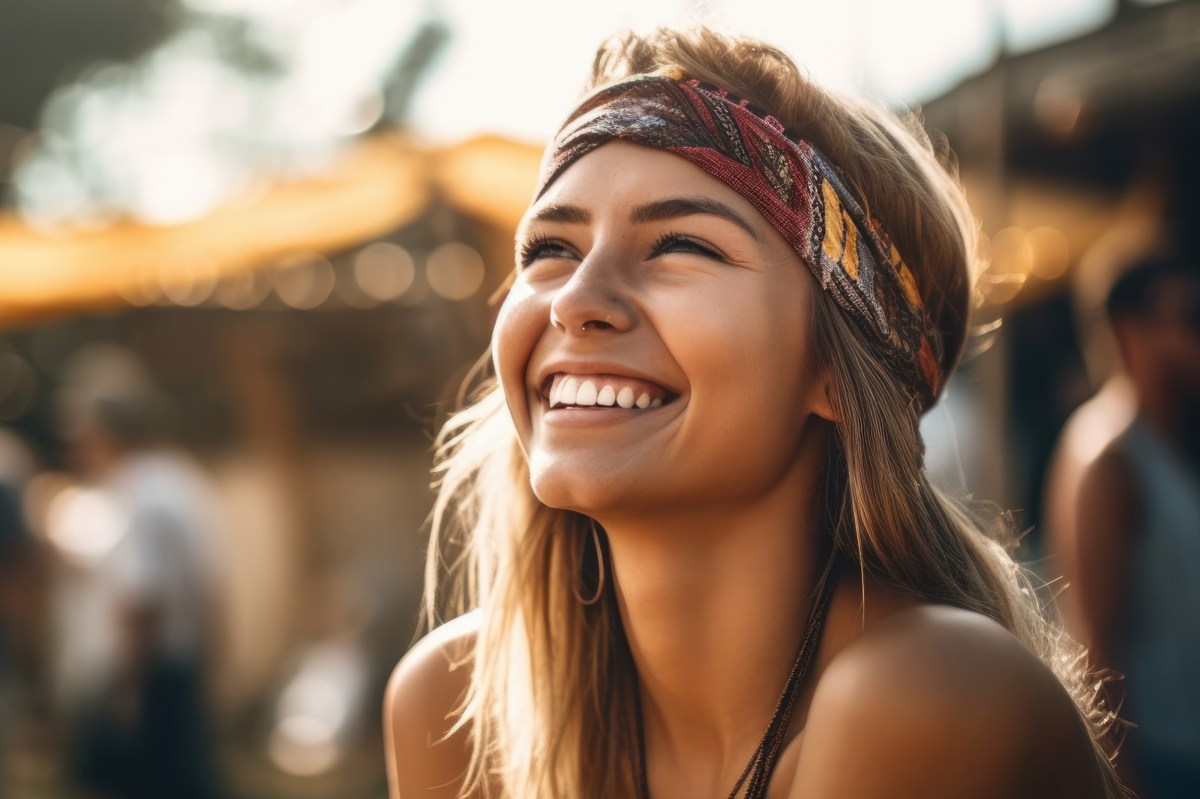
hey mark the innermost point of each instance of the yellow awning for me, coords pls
(383, 183)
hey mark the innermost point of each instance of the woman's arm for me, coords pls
(424, 694)
(1107, 513)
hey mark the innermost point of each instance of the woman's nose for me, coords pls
(592, 299)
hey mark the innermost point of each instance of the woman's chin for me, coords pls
(590, 499)
(595, 492)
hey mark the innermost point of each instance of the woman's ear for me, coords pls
(823, 404)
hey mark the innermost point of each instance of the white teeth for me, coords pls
(586, 394)
(567, 395)
(568, 390)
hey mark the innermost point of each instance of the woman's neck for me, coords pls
(714, 601)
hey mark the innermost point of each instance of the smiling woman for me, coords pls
(692, 521)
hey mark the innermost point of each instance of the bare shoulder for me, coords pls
(426, 755)
(1109, 469)
(933, 702)
(1107, 488)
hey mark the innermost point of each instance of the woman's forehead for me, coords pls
(627, 175)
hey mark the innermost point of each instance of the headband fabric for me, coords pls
(789, 182)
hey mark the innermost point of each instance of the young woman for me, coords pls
(690, 505)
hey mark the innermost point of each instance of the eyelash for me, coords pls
(532, 250)
(670, 238)
(535, 248)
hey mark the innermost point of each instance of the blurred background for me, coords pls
(246, 251)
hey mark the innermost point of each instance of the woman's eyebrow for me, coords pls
(559, 212)
(657, 211)
(676, 207)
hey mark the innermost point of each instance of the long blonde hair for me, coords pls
(551, 701)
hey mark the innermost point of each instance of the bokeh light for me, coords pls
(141, 284)
(1011, 263)
(303, 746)
(305, 281)
(190, 278)
(1051, 252)
(244, 290)
(455, 270)
(84, 524)
(384, 271)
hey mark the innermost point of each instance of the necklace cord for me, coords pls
(762, 763)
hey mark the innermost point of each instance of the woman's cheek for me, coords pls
(519, 324)
(513, 323)
(706, 339)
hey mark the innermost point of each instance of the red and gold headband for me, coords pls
(789, 182)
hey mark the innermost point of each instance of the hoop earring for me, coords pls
(599, 569)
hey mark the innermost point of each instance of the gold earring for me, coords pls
(599, 569)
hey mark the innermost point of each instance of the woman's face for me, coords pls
(655, 350)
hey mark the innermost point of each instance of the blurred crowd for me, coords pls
(122, 574)
(118, 618)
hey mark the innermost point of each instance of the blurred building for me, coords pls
(1065, 151)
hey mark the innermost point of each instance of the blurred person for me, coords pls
(14, 549)
(1096, 422)
(706, 558)
(1129, 537)
(1088, 431)
(143, 730)
(19, 593)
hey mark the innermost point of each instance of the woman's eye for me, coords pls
(676, 243)
(538, 248)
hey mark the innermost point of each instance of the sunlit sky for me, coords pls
(514, 67)
(182, 130)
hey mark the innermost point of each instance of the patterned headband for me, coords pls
(792, 185)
